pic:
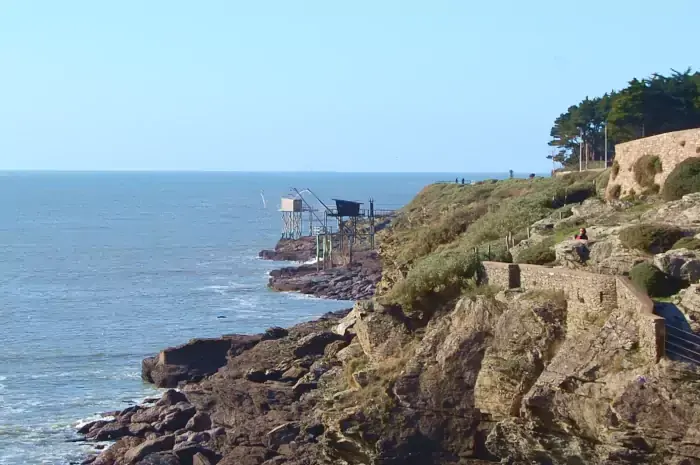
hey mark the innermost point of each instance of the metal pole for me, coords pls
(318, 255)
(606, 144)
(580, 153)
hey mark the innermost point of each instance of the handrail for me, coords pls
(681, 355)
(687, 341)
(683, 348)
(675, 328)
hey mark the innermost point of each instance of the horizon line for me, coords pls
(38, 170)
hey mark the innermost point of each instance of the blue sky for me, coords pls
(449, 86)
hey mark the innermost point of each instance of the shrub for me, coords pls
(653, 281)
(603, 180)
(615, 191)
(689, 243)
(615, 169)
(645, 169)
(684, 179)
(539, 254)
(650, 238)
(445, 274)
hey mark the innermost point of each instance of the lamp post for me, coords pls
(606, 144)
(580, 153)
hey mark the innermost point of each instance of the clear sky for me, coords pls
(363, 85)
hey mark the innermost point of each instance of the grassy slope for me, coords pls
(431, 243)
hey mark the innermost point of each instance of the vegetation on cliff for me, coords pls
(684, 179)
(645, 107)
(431, 245)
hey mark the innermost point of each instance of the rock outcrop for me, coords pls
(682, 264)
(353, 282)
(194, 360)
(292, 250)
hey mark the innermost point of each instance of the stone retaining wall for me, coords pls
(590, 298)
(671, 148)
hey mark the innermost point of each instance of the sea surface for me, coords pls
(99, 270)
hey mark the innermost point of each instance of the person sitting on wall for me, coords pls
(581, 236)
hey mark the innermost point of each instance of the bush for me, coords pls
(653, 281)
(689, 243)
(539, 254)
(650, 238)
(615, 169)
(684, 179)
(615, 191)
(444, 276)
(645, 170)
(603, 180)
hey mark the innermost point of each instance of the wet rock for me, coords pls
(161, 444)
(86, 428)
(109, 432)
(199, 422)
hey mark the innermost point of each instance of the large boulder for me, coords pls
(161, 444)
(607, 255)
(690, 304)
(381, 331)
(572, 253)
(194, 360)
(682, 264)
(683, 213)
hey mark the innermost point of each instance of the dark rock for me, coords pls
(315, 343)
(256, 375)
(139, 429)
(194, 360)
(283, 434)
(92, 425)
(293, 374)
(176, 417)
(171, 397)
(161, 444)
(274, 333)
(160, 458)
(186, 452)
(200, 459)
(109, 432)
(199, 422)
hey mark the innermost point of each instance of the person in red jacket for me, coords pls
(581, 236)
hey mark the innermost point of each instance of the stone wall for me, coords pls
(651, 327)
(671, 148)
(590, 298)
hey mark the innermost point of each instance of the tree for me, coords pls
(645, 107)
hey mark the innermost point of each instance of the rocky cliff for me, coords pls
(443, 365)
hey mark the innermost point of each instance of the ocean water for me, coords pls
(99, 270)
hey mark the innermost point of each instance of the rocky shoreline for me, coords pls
(356, 281)
(251, 403)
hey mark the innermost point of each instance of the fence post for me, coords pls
(488, 252)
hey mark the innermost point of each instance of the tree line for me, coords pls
(645, 107)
